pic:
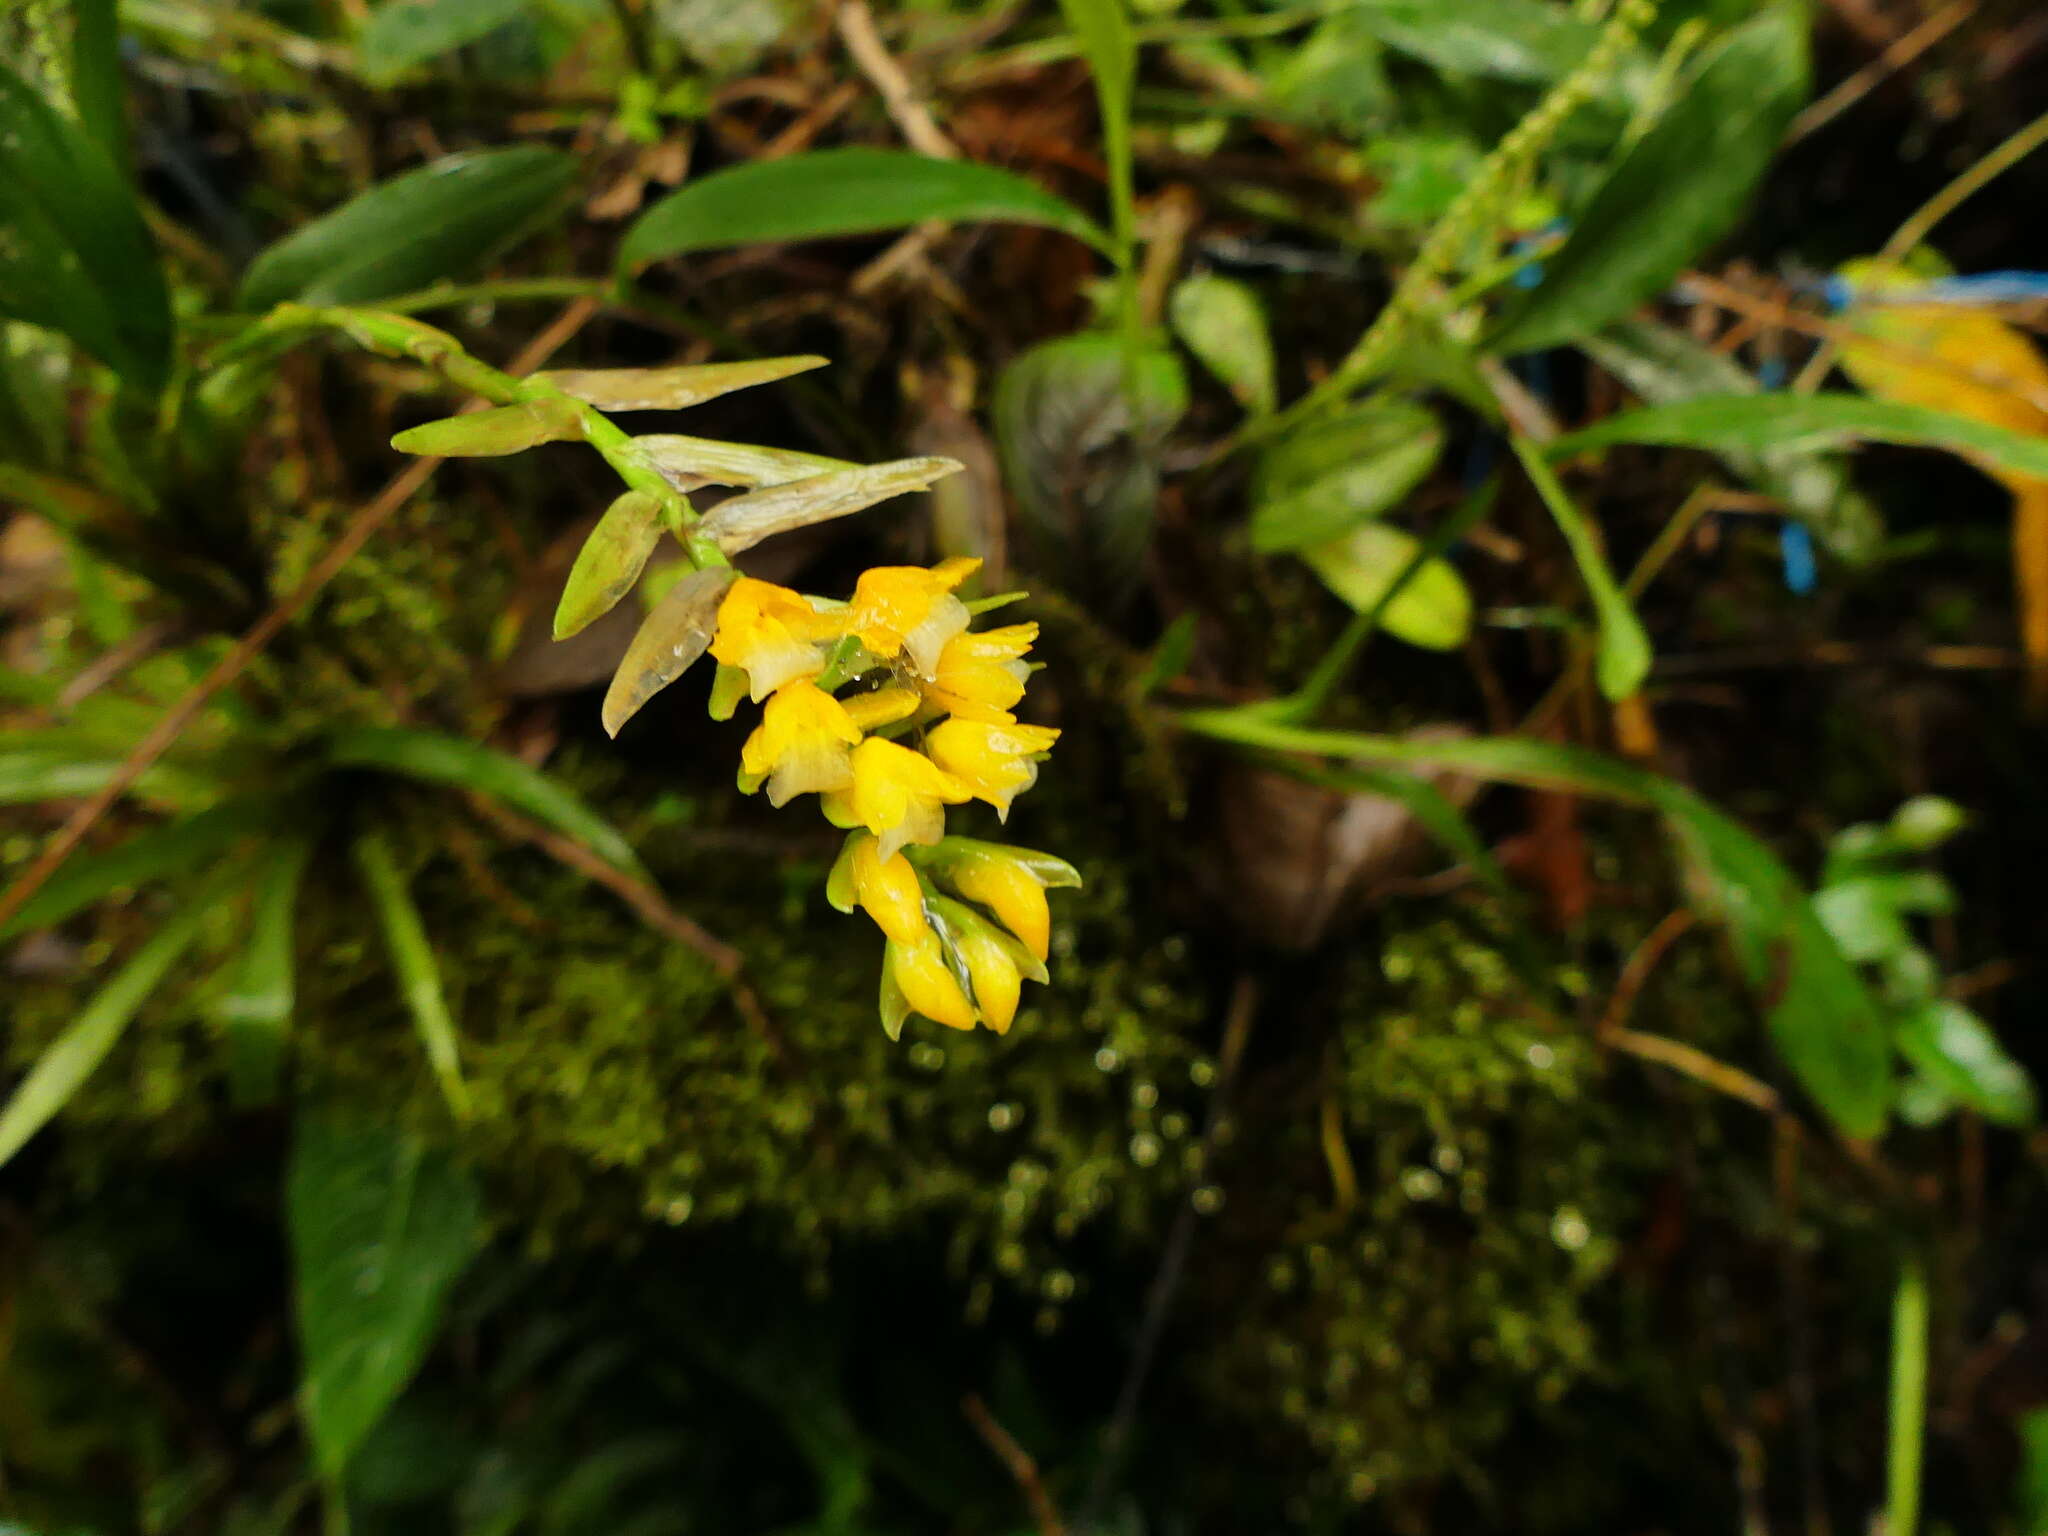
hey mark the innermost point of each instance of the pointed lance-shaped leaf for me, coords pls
(610, 561)
(674, 635)
(688, 462)
(673, 389)
(493, 433)
(741, 522)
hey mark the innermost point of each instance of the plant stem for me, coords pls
(1952, 196)
(1908, 1398)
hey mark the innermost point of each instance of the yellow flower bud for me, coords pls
(927, 981)
(888, 889)
(992, 760)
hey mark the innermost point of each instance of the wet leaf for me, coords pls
(740, 522)
(690, 462)
(424, 227)
(831, 192)
(1960, 1055)
(402, 33)
(1810, 423)
(495, 432)
(672, 389)
(1220, 320)
(1433, 609)
(1681, 187)
(1321, 481)
(381, 1226)
(610, 561)
(1086, 478)
(675, 634)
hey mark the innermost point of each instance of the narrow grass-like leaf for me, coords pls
(1810, 423)
(495, 432)
(402, 33)
(414, 230)
(1624, 655)
(1822, 1016)
(690, 462)
(381, 1225)
(256, 1009)
(412, 957)
(740, 522)
(668, 642)
(672, 389)
(610, 561)
(831, 192)
(71, 1057)
(148, 856)
(1679, 188)
(96, 78)
(442, 759)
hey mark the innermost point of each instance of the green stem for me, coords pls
(1908, 1397)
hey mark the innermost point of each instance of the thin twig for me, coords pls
(900, 100)
(1901, 52)
(1636, 973)
(115, 660)
(1244, 1006)
(172, 723)
(1690, 1061)
(1019, 1462)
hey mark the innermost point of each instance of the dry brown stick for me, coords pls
(1635, 974)
(171, 724)
(1896, 56)
(1690, 1061)
(900, 100)
(651, 907)
(1019, 1462)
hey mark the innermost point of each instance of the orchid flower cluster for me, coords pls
(890, 708)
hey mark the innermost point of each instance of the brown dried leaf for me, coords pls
(741, 522)
(672, 389)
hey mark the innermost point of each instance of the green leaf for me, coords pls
(1808, 424)
(1823, 1018)
(1103, 28)
(1959, 1054)
(1678, 189)
(610, 561)
(1325, 478)
(148, 856)
(1664, 365)
(412, 957)
(668, 643)
(1520, 40)
(831, 192)
(402, 33)
(70, 1059)
(441, 759)
(2031, 1492)
(1220, 320)
(57, 772)
(1432, 609)
(739, 523)
(1624, 656)
(493, 433)
(672, 389)
(1086, 478)
(74, 253)
(96, 78)
(381, 1226)
(438, 222)
(257, 1006)
(688, 463)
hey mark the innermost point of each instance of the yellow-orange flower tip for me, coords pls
(1010, 882)
(802, 745)
(981, 675)
(909, 610)
(927, 983)
(899, 795)
(883, 706)
(770, 633)
(994, 760)
(996, 964)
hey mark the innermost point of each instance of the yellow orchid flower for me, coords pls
(996, 963)
(994, 760)
(888, 889)
(1010, 882)
(906, 609)
(802, 745)
(772, 634)
(981, 676)
(923, 983)
(898, 795)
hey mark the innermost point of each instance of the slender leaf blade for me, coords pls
(1624, 655)
(403, 33)
(412, 957)
(257, 1007)
(610, 562)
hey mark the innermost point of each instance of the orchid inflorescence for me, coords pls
(889, 707)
